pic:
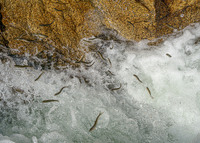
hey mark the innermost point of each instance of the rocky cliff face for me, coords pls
(52, 29)
(47, 28)
(148, 19)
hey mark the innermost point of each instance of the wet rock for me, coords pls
(148, 19)
(51, 30)
(48, 26)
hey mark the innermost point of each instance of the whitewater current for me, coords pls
(146, 94)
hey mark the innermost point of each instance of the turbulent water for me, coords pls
(145, 94)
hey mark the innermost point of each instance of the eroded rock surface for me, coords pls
(148, 19)
(47, 28)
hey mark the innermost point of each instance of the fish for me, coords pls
(22, 66)
(95, 123)
(168, 55)
(142, 4)
(93, 38)
(58, 9)
(90, 65)
(79, 61)
(86, 41)
(39, 76)
(79, 79)
(110, 72)
(170, 26)
(46, 24)
(40, 35)
(15, 90)
(149, 92)
(131, 24)
(50, 100)
(110, 62)
(60, 90)
(101, 56)
(137, 78)
(86, 62)
(25, 40)
(117, 87)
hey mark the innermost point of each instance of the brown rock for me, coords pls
(132, 19)
(148, 19)
(52, 29)
(176, 5)
(43, 26)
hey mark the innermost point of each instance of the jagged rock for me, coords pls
(176, 5)
(49, 27)
(148, 19)
(52, 29)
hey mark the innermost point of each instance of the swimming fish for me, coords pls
(60, 90)
(90, 65)
(80, 59)
(40, 35)
(168, 55)
(39, 76)
(95, 123)
(16, 89)
(117, 87)
(142, 4)
(47, 24)
(86, 41)
(110, 62)
(170, 26)
(86, 62)
(58, 9)
(149, 92)
(131, 24)
(137, 78)
(22, 66)
(25, 40)
(110, 72)
(101, 56)
(50, 100)
(93, 38)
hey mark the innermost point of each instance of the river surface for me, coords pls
(146, 94)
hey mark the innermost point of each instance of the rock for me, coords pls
(52, 29)
(148, 19)
(180, 14)
(48, 28)
(132, 19)
(176, 5)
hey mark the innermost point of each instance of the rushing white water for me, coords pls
(171, 114)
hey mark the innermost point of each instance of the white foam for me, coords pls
(130, 114)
